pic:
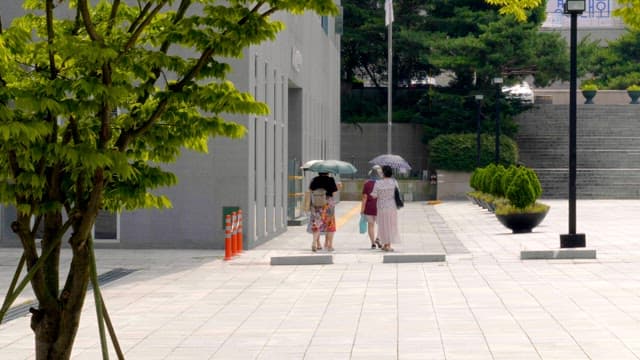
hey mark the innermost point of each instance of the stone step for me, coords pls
(607, 149)
(583, 142)
(591, 183)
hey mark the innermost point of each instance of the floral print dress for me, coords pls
(323, 219)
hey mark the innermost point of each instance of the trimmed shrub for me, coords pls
(457, 152)
(520, 192)
(489, 171)
(508, 177)
(535, 182)
(496, 181)
(475, 178)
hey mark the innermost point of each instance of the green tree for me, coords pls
(629, 12)
(66, 153)
(467, 40)
(364, 42)
(614, 66)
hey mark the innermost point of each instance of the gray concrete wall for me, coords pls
(561, 97)
(453, 184)
(361, 143)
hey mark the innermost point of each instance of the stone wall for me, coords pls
(362, 142)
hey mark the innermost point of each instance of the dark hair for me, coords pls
(387, 171)
(323, 173)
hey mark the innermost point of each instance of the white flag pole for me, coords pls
(388, 19)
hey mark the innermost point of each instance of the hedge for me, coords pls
(519, 184)
(457, 152)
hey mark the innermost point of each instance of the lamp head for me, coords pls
(574, 6)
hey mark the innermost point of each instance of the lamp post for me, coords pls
(573, 240)
(498, 81)
(478, 105)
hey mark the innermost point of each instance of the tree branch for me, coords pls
(105, 113)
(270, 11)
(205, 57)
(112, 16)
(143, 25)
(125, 137)
(88, 24)
(21, 227)
(50, 36)
(142, 14)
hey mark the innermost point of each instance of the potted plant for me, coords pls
(589, 91)
(634, 93)
(521, 212)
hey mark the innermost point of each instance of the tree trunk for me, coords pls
(56, 327)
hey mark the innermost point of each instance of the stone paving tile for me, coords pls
(482, 303)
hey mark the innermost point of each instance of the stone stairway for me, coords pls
(607, 151)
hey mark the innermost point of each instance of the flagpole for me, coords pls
(389, 83)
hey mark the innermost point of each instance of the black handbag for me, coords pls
(399, 202)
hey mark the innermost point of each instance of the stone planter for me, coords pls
(634, 95)
(522, 223)
(589, 95)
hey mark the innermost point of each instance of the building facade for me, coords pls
(597, 21)
(298, 77)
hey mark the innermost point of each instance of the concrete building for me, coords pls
(597, 21)
(298, 76)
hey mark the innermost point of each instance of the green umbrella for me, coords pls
(333, 166)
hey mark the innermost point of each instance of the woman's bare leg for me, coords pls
(316, 241)
(371, 227)
(328, 241)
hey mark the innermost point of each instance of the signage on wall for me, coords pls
(296, 59)
(598, 14)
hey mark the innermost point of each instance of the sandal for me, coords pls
(377, 242)
(373, 246)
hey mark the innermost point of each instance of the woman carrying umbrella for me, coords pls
(387, 218)
(322, 219)
(369, 206)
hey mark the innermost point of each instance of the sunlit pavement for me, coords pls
(483, 302)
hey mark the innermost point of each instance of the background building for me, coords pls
(597, 21)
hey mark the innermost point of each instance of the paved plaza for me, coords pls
(483, 302)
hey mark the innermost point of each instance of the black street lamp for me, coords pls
(479, 105)
(573, 240)
(498, 81)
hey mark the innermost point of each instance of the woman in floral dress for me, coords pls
(387, 218)
(322, 220)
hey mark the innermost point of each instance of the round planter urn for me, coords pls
(634, 95)
(589, 95)
(522, 223)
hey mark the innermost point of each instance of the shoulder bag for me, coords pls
(398, 197)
